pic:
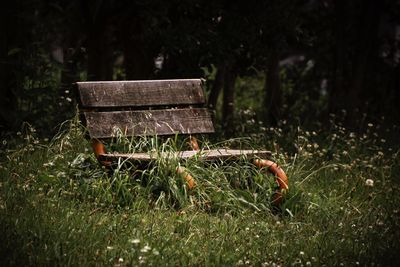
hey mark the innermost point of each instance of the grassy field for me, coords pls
(59, 207)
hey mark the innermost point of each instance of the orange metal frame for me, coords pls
(281, 177)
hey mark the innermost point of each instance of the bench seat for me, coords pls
(213, 154)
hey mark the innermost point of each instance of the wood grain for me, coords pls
(149, 122)
(108, 94)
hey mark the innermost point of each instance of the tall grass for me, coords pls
(58, 206)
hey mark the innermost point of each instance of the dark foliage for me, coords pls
(312, 57)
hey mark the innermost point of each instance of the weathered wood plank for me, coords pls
(140, 93)
(213, 154)
(149, 122)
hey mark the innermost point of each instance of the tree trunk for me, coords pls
(99, 37)
(273, 93)
(338, 89)
(100, 60)
(228, 101)
(11, 29)
(138, 60)
(69, 75)
(216, 87)
(365, 55)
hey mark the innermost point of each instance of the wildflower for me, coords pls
(369, 182)
(61, 174)
(145, 249)
(135, 241)
(49, 164)
(120, 260)
(68, 99)
(227, 216)
(370, 124)
(297, 261)
(110, 248)
(142, 260)
(301, 253)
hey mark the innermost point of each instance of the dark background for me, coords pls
(288, 61)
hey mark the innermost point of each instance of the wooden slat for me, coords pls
(108, 94)
(204, 155)
(149, 122)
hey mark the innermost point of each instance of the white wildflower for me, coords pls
(145, 249)
(369, 182)
(135, 241)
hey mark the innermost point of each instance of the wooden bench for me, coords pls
(158, 107)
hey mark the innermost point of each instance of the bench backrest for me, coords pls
(161, 107)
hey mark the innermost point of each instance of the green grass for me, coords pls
(59, 207)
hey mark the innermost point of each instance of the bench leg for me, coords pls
(281, 178)
(194, 144)
(99, 149)
(191, 183)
